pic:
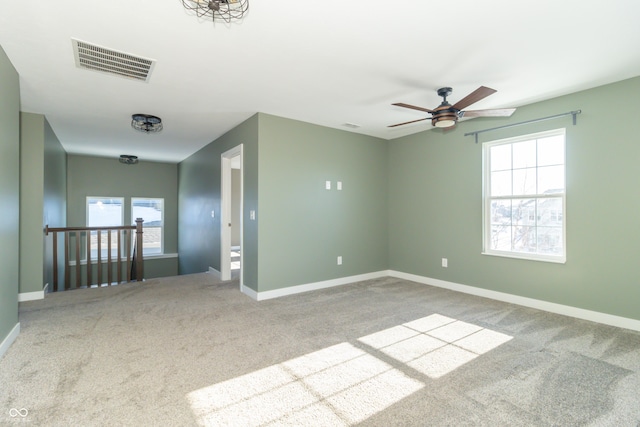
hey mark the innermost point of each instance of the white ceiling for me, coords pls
(327, 63)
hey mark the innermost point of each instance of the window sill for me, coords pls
(553, 260)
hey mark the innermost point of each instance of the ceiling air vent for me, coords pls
(97, 58)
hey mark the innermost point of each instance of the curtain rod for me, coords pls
(573, 113)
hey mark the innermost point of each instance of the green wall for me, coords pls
(199, 190)
(42, 199)
(55, 196)
(31, 202)
(9, 194)
(101, 176)
(435, 205)
(303, 226)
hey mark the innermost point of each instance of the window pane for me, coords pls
(152, 240)
(550, 212)
(551, 179)
(524, 212)
(150, 210)
(524, 239)
(501, 212)
(500, 238)
(524, 154)
(501, 183)
(550, 240)
(500, 157)
(551, 151)
(524, 181)
(104, 212)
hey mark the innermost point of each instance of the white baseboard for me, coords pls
(276, 293)
(9, 339)
(249, 292)
(566, 310)
(214, 272)
(32, 296)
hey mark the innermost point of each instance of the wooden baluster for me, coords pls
(139, 251)
(119, 263)
(128, 235)
(67, 280)
(77, 235)
(89, 269)
(109, 268)
(99, 237)
(55, 261)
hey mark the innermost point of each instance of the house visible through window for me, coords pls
(152, 212)
(524, 197)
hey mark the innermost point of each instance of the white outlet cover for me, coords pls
(339, 185)
(327, 185)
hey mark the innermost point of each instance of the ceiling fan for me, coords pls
(446, 115)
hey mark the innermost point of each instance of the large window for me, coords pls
(152, 212)
(524, 197)
(110, 211)
(104, 212)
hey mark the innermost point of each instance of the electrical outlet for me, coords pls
(327, 185)
(445, 262)
(340, 260)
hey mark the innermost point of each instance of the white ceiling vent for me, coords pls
(98, 58)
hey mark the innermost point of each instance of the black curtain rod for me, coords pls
(573, 113)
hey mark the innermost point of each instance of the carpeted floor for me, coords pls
(386, 352)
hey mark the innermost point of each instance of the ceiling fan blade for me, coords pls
(413, 107)
(498, 112)
(406, 123)
(475, 96)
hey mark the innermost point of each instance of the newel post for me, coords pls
(139, 251)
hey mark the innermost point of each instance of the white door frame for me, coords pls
(225, 218)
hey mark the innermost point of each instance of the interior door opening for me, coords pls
(231, 220)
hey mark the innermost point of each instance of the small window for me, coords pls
(104, 212)
(152, 212)
(524, 197)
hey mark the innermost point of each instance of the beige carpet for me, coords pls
(192, 351)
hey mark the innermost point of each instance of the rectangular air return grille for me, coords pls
(98, 58)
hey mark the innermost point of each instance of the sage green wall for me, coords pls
(55, 197)
(101, 176)
(435, 205)
(32, 129)
(199, 190)
(303, 226)
(9, 194)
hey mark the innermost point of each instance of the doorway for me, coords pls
(231, 219)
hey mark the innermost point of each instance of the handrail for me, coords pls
(48, 229)
(134, 264)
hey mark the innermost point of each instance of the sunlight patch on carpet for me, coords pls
(336, 385)
(344, 384)
(435, 345)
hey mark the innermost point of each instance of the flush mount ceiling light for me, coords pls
(146, 123)
(128, 160)
(218, 10)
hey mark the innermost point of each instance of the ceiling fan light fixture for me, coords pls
(444, 120)
(218, 10)
(146, 123)
(128, 159)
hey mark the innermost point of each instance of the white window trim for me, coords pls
(486, 201)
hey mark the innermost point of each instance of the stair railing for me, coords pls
(79, 241)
